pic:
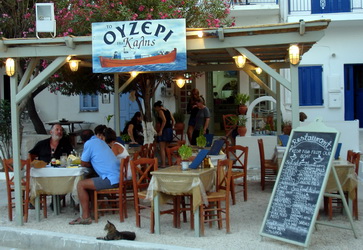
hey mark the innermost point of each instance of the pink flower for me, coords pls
(141, 8)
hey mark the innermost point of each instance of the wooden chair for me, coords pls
(172, 153)
(146, 151)
(113, 199)
(269, 168)
(215, 210)
(25, 185)
(239, 155)
(141, 178)
(178, 135)
(331, 203)
(229, 122)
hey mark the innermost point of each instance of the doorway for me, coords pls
(353, 95)
(224, 88)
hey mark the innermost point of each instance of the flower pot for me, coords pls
(185, 165)
(242, 130)
(242, 109)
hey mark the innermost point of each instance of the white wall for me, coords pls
(342, 44)
(53, 107)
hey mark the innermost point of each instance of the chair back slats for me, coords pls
(141, 169)
(224, 171)
(229, 122)
(172, 153)
(354, 157)
(146, 151)
(262, 151)
(239, 155)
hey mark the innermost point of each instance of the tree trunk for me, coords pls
(34, 117)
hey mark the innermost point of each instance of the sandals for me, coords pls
(81, 221)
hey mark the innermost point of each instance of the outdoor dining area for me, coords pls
(214, 197)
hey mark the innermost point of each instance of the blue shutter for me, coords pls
(330, 6)
(88, 102)
(311, 86)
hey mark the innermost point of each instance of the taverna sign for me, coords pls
(146, 45)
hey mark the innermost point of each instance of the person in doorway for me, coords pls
(165, 131)
(134, 129)
(202, 120)
(192, 109)
(96, 154)
(52, 147)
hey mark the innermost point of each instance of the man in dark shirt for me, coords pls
(52, 147)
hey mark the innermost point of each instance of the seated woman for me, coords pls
(134, 129)
(117, 148)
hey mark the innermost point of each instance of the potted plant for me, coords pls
(185, 153)
(241, 99)
(201, 140)
(241, 123)
(179, 118)
(126, 139)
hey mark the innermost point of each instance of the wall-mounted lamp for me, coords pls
(73, 64)
(10, 66)
(258, 70)
(294, 54)
(240, 61)
(134, 73)
(200, 34)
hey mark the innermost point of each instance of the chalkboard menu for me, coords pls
(300, 185)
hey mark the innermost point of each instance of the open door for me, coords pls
(353, 81)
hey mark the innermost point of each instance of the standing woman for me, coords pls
(165, 132)
(202, 120)
(192, 109)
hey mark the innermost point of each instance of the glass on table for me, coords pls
(63, 160)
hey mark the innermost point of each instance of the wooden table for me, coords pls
(54, 181)
(347, 178)
(174, 181)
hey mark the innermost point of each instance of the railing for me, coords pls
(252, 2)
(305, 5)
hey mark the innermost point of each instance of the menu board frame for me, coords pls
(292, 191)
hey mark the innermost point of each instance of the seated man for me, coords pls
(96, 154)
(52, 147)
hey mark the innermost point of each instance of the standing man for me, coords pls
(201, 121)
(96, 154)
(52, 147)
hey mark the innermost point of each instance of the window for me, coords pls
(311, 86)
(88, 102)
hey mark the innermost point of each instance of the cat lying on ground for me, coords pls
(113, 234)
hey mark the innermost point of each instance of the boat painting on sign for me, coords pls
(145, 45)
(115, 62)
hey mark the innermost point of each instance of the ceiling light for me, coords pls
(240, 61)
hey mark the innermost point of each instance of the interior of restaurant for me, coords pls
(225, 87)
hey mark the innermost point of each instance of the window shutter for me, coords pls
(310, 86)
(88, 102)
